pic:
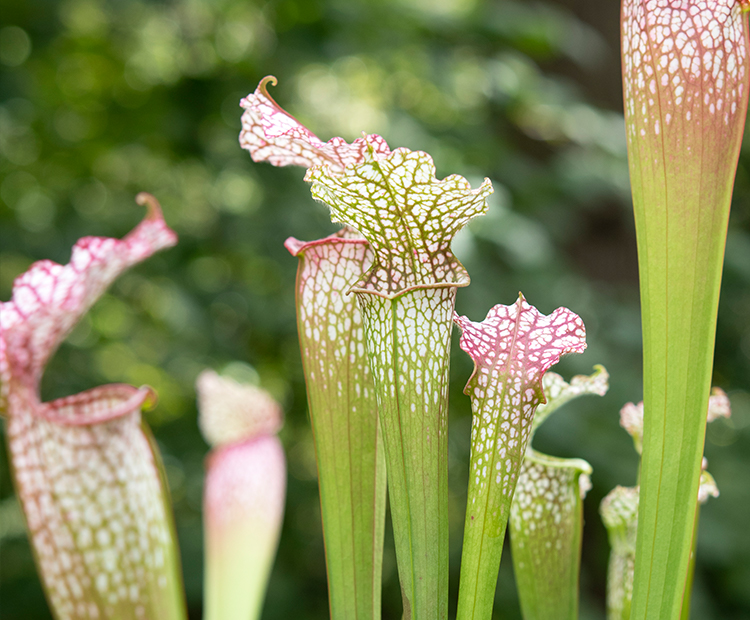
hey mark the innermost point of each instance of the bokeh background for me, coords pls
(101, 99)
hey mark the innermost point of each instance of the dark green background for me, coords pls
(100, 100)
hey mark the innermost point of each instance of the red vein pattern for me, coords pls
(339, 382)
(685, 85)
(84, 469)
(512, 349)
(344, 417)
(407, 299)
(684, 64)
(408, 216)
(271, 134)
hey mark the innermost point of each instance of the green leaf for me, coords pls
(685, 80)
(344, 416)
(407, 299)
(512, 349)
(85, 467)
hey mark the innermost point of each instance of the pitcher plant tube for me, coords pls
(546, 514)
(512, 349)
(85, 467)
(243, 496)
(341, 396)
(340, 389)
(407, 298)
(685, 82)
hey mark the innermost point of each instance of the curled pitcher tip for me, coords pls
(147, 200)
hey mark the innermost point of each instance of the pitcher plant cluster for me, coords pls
(375, 313)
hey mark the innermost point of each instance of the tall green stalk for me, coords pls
(344, 417)
(340, 390)
(512, 349)
(407, 299)
(685, 76)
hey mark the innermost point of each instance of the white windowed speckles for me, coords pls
(344, 415)
(407, 299)
(271, 134)
(512, 349)
(85, 471)
(407, 215)
(329, 321)
(683, 58)
(619, 511)
(408, 344)
(546, 521)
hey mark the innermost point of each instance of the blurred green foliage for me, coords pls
(101, 99)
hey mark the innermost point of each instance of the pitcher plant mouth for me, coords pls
(85, 467)
(341, 395)
(407, 297)
(512, 349)
(72, 410)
